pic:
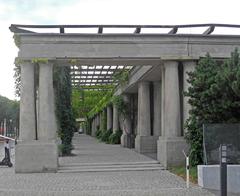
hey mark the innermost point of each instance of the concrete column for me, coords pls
(171, 144)
(157, 108)
(127, 136)
(37, 155)
(144, 142)
(109, 118)
(47, 128)
(144, 126)
(115, 119)
(172, 100)
(188, 66)
(27, 103)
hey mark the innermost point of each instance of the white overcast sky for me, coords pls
(155, 12)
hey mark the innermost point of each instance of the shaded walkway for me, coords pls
(89, 150)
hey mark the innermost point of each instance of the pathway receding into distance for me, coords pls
(98, 169)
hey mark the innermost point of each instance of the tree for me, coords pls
(215, 98)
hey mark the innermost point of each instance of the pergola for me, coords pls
(99, 77)
(95, 77)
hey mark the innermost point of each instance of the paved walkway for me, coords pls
(89, 152)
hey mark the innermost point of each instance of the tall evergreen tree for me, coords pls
(215, 98)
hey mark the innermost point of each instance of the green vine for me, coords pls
(121, 106)
(39, 60)
(66, 122)
(101, 104)
(17, 40)
(73, 61)
(121, 77)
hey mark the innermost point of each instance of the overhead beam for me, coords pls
(209, 30)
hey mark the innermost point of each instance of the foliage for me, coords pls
(39, 60)
(214, 97)
(98, 134)
(65, 149)
(83, 101)
(9, 109)
(121, 106)
(121, 77)
(17, 40)
(105, 135)
(181, 171)
(115, 138)
(17, 77)
(101, 104)
(66, 122)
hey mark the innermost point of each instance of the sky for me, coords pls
(145, 12)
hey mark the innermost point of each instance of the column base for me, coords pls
(146, 144)
(127, 141)
(93, 133)
(36, 157)
(169, 151)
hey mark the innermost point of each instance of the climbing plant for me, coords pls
(66, 121)
(121, 77)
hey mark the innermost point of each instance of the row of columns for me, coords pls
(166, 137)
(112, 120)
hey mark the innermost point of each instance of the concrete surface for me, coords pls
(209, 177)
(89, 151)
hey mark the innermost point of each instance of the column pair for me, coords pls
(37, 149)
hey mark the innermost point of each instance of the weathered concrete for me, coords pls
(47, 127)
(115, 119)
(172, 100)
(157, 108)
(144, 142)
(109, 118)
(27, 104)
(127, 135)
(169, 151)
(94, 126)
(112, 49)
(209, 177)
(170, 144)
(144, 126)
(36, 156)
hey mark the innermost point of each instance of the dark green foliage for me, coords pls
(115, 138)
(66, 122)
(98, 134)
(105, 135)
(215, 98)
(9, 109)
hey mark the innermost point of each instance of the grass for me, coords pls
(181, 171)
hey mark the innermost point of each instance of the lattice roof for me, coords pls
(95, 77)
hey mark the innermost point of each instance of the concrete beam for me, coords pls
(120, 46)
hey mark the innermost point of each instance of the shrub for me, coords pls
(214, 96)
(98, 134)
(115, 138)
(105, 135)
(65, 149)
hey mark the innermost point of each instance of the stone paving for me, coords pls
(88, 150)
